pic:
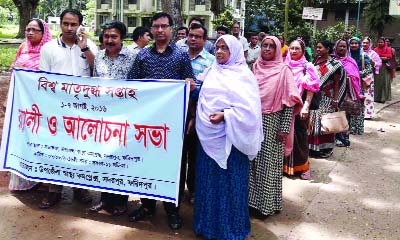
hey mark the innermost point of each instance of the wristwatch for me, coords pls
(85, 49)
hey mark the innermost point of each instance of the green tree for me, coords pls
(224, 19)
(51, 8)
(55, 7)
(26, 10)
(333, 33)
(7, 11)
(377, 15)
(274, 13)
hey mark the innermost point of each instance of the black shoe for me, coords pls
(174, 221)
(51, 199)
(140, 214)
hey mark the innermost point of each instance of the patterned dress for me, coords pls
(357, 122)
(221, 202)
(265, 184)
(326, 70)
(369, 109)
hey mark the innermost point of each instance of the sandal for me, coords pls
(50, 200)
(98, 207)
(306, 175)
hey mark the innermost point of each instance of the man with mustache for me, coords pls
(73, 55)
(113, 62)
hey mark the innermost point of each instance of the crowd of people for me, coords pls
(254, 113)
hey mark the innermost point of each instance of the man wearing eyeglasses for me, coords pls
(183, 43)
(200, 59)
(163, 60)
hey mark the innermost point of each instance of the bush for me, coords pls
(334, 33)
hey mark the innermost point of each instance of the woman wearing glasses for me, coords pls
(307, 82)
(37, 34)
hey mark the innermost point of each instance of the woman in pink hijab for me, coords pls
(28, 54)
(307, 82)
(353, 82)
(280, 101)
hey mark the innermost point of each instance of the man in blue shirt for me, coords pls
(183, 43)
(200, 59)
(163, 60)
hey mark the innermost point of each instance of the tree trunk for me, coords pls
(26, 10)
(173, 8)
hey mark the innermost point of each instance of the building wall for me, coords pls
(139, 14)
(333, 14)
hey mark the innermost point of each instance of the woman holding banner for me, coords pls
(28, 55)
(228, 123)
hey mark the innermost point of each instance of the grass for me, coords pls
(8, 31)
(7, 55)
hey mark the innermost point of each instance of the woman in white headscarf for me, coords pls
(228, 123)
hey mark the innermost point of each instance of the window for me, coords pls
(200, 2)
(146, 22)
(340, 15)
(238, 4)
(131, 21)
(104, 2)
(103, 19)
(132, 1)
(353, 14)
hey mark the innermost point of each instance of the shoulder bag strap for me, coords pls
(305, 69)
(362, 61)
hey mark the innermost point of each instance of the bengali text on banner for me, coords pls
(119, 136)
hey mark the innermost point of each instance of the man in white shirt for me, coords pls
(235, 29)
(73, 55)
(254, 50)
(141, 37)
(69, 54)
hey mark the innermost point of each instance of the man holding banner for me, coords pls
(113, 62)
(68, 54)
(163, 60)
